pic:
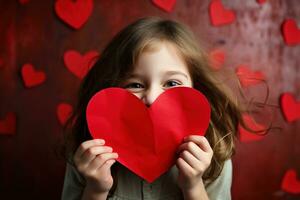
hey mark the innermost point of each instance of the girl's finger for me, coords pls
(191, 160)
(192, 148)
(92, 152)
(184, 167)
(87, 144)
(100, 160)
(201, 141)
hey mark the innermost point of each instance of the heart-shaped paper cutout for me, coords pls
(245, 135)
(79, 64)
(289, 107)
(63, 111)
(166, 5)
(290, 32)
(146, 139)
(74, 13)
(261, 1)
(219, 15)
(290, 183)
(247, 77)
(32, 77)
(217, 58)
(8, 124)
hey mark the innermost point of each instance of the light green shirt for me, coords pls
(132, 187)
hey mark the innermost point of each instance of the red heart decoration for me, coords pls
(166, 5)
(261, 1)
(23, 1)
(31, 77)
(8, 124)
(290, 107)
(290, 183)
(248, 77)
(246, 136)
(1, 62)
(217, 58)
(80, 65)
(219, 15)
(146, 139)
(63, 111)
(290, 32)
(74, 12)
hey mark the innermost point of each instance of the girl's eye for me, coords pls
(172, 84)
(134, 86)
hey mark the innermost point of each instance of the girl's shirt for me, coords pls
(132, 187)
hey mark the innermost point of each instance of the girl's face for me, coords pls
(156, 71)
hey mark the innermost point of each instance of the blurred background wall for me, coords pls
(44, 53)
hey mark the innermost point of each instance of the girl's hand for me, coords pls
(93, 160)
(195, 156)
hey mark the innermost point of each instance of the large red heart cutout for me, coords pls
(220, 15)
(74, 12)
(146, 138)
(79, 64)
(290, 107)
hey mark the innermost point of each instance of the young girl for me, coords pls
(148, 57)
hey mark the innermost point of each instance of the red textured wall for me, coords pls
(32, 33)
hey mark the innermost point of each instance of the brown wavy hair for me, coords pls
(116, 63)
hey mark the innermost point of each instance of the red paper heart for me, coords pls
(23, 1)
(261, 1)
(31, 77)
(290, 107)
(219, 15)
(290, 32)
(1, 62)
(74, 12)
(79, 65)
(248, 77)
(290, 183)
(146, 139)
(8, 124)
(217, 58)
(166, 5)
(63, 111)
(246, 136)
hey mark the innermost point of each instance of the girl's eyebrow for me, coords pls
(170, 73)
(167, 73)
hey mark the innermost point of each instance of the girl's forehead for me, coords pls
(162, 57)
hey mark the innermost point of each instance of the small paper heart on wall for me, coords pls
(23, 1)
(217, 58)
(74, 12)
(32, 77)
(290, 183)
(290, 32)
(247, 136)
(290, 107)
(8, 124)
(165, 5)
(261, 1)
(79, 64)
(63, 112)
(220, 15)
(247, 77)
(1, 63)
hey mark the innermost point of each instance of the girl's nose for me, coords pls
(150, 96)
